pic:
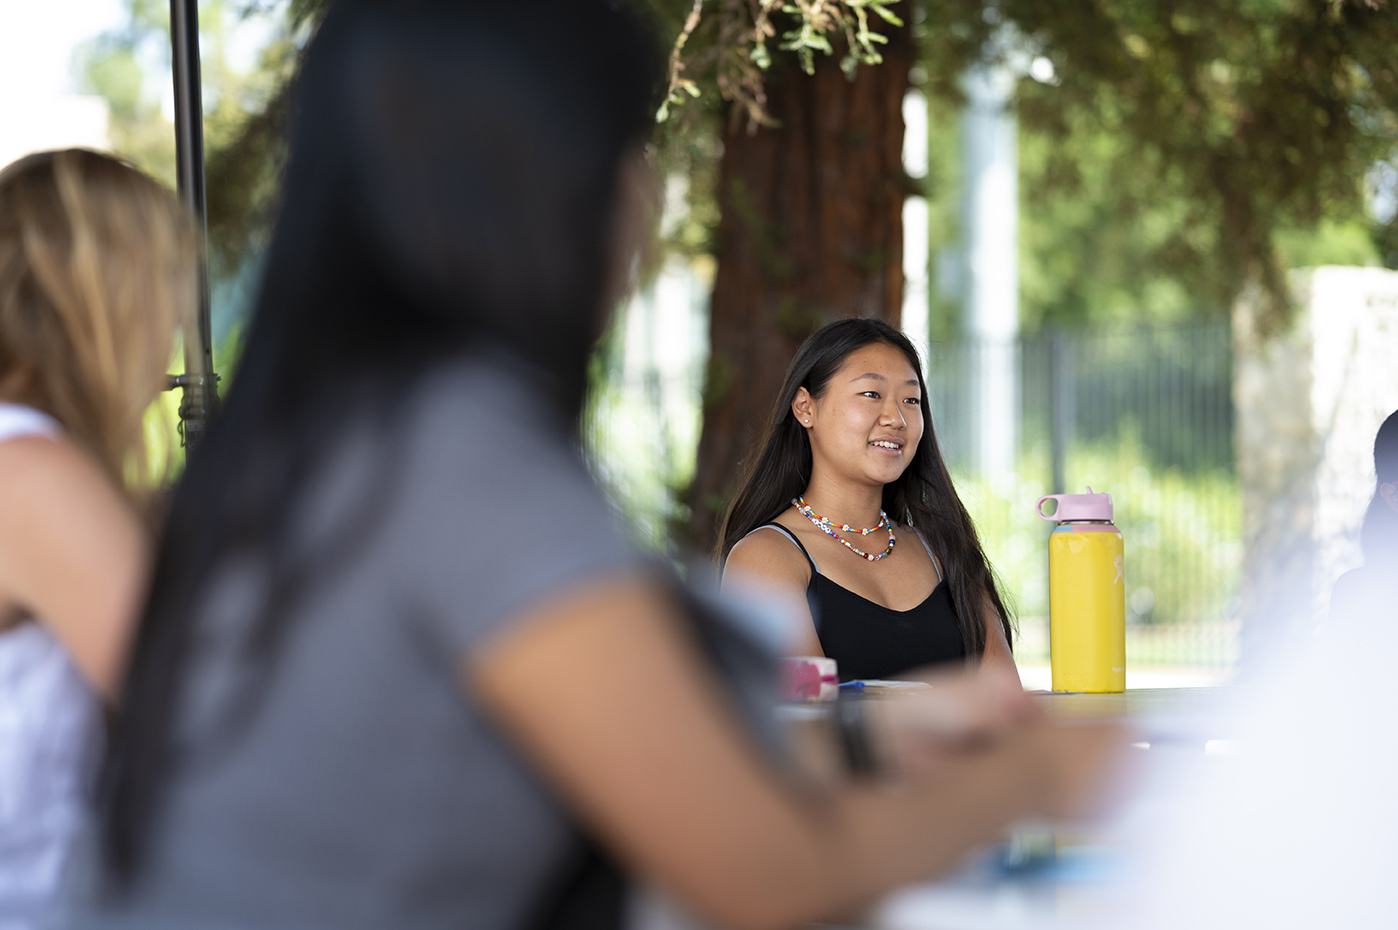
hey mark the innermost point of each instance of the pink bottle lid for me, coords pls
(1076, 507)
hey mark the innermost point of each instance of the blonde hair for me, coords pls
(97, 269)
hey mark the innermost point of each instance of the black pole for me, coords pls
(199, 381)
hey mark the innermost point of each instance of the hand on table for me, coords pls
(1080, 767)
(922, 734)
(918, 732)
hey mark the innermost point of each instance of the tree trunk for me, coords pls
(811, 231)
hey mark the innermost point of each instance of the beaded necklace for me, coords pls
(825, 526)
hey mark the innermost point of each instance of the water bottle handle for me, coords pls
(1039, 507)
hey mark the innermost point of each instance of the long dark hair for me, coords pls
(1378, 536)
(923, 496)
(450, 189)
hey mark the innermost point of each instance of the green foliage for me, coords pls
(640, 444)
(245, 152)
(241, 111)
(679, 84)
(1183, 536)
(818, 20)
(1104, 241)
(1206, 126)
(731, 45)
(128, 68)
(1329, 242)
(111, 66)
(1182, 151)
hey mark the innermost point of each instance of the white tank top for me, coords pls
(50, 738)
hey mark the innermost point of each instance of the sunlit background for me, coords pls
(97, 73)
(1096, 362)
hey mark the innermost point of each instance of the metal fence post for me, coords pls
(199, 382)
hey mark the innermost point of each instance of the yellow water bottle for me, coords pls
(1087, 594)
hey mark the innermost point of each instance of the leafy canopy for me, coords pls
(1182, 149)
(1212, 137)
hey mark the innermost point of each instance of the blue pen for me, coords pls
(852, 685)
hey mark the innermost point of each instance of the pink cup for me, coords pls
(809, 679)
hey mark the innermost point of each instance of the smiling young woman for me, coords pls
(848, 507)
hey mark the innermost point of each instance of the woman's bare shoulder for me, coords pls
(768, 554)
(30, 463)
(44, 479)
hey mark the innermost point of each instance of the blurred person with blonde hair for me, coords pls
(96, 264)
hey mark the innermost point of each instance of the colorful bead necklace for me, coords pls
(825, 526)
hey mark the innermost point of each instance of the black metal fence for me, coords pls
(1143, 413)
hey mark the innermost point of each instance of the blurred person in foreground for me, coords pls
(96, 269)
(1374, 587)
(1290, 825)
(398, 668)
(849, 459)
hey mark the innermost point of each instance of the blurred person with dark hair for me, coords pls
(850, 462)
(398, 668)
(1374, 587)
(1290, 825)
(96, 271)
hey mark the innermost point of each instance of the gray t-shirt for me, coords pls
(364, 789)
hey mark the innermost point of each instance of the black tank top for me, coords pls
(868, 640)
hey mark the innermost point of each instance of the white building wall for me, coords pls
(1309, 401)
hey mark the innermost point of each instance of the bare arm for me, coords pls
(768, 560)
(72, 553)
(603, 689)
(997, 647)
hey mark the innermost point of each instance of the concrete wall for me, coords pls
(1309, 401)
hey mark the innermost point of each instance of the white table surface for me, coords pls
(1090, 872)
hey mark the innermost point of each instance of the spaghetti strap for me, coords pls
(935, 564)
(791, 536)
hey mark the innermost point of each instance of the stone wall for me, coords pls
(1309, 401)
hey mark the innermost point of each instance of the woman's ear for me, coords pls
(803, 407)
(1389, 492)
